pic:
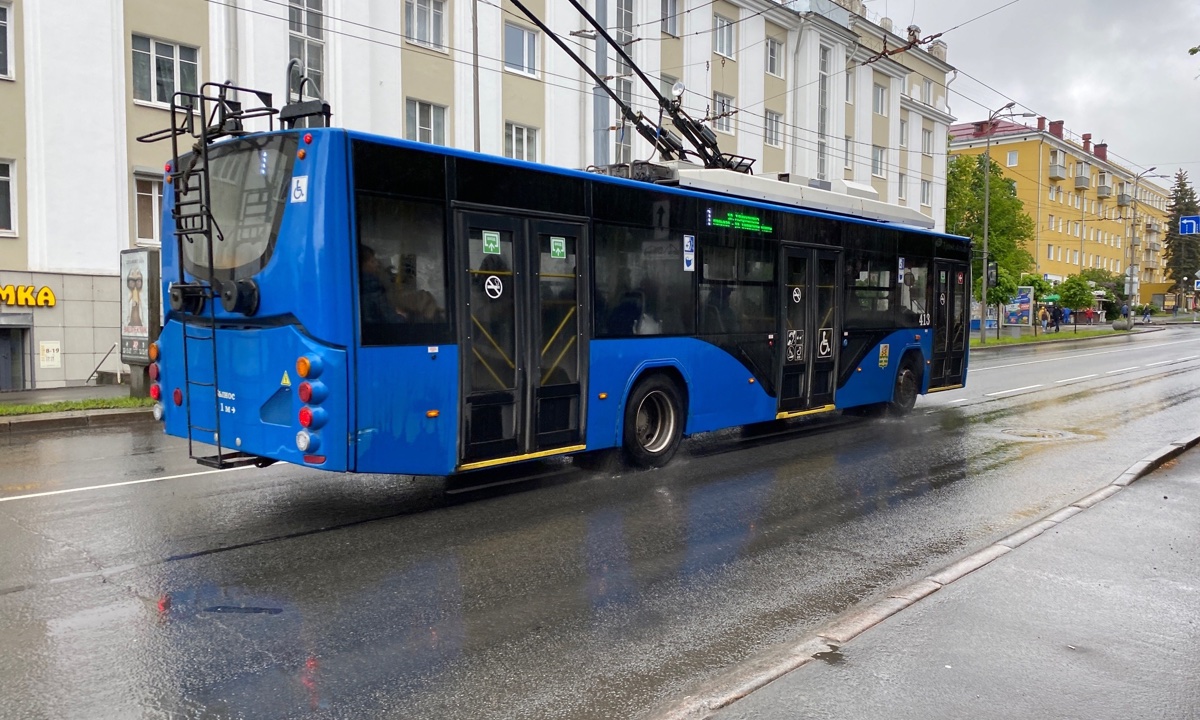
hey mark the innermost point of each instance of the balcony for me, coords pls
(1153, 226)
(1150, 264)
(1058, 172)
(1103, 191)
(1123, 200)
(1154, 247)
(1082, 182)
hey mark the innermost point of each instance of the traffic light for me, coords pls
(992, 273)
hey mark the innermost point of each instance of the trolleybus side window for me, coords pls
(402, 271)
(641, 285)
(738, 290)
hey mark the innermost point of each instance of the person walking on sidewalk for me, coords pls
(1146, 315)
(1056, 317)
(1089, 313)
(1044, 316)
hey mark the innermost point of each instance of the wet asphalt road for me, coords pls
(285, 592)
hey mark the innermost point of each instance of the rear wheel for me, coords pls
(908, 386)
(653, 423)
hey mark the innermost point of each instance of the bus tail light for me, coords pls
(312, 418)
(312, 392)
(153, 371)
(153, 352)
(156, 391)
(158, 411)
(314, 459)
(177, 396)
(309, 366)
(307, 442)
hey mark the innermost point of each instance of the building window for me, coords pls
(520, 142)
(823, 123)
(927, 142)
(425, 122)
(849, 152)
(520, 49)
(624, 35)
(1051, 223)
(666, 83)
(307, 43)
(878, 156)
(159, 69)
(670, 17)
(624, 145)
(1049, 252)
(6, 69)
(771, 127)
(926, 193)
(902, 188)
(774, 57)
(1012, 158)
(849, 81)
(8, 197)
(149, 209)
(927, 87)
(723, 36)
(879, 100)
(423, 19)
(722, 110)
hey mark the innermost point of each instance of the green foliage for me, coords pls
(1041, 286)
(1182, 252)
(1111, 283)
(65, 405)
(1010, 229)
(1075, 293)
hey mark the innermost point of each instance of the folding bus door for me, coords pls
(522, 359)
(950, 307)
(810, 337)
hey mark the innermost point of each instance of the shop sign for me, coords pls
(27, 296)
(139, 304)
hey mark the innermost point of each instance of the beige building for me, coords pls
(803, 88)
(1090, 211)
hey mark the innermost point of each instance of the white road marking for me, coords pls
(1189, 357)
(959, 400)
(975, 369)
(1081, 377)
(1110, 372)
(1005, 392)
(1160, 362)
(120, 484)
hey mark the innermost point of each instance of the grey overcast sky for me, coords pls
(1117, 69)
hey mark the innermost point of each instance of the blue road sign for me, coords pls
(1189, 225)
(1197, 288)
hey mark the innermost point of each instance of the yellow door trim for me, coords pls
(519, 458)
(799, 413)
(944, 389)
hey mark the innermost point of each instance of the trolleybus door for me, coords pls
(810, 337)
(519, 336)
(950, 305)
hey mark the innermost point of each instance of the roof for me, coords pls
(978, 128)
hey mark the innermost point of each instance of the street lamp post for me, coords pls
(1131, 272)
(987, 199)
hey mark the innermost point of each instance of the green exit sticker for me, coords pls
(558, 248)
(491, 242)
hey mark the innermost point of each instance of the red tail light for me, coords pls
(177, 396)
(156, 391)
(305, 392)
(154, 371)
(306, 417)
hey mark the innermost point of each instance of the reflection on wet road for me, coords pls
(551, 592)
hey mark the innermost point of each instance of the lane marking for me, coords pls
(1081, 355)
(1189, 357)
(119, 484)
(1110, 372)
(1160, 362)
(1005, 392)
(959, 400)
(1081, 377)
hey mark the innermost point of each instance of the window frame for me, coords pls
(926, 193)
(723, 30)
(411, 11)
(156, 200)
(10, 181)
(152, 67)
(772, 127)
(926, 141)
(670, 18)
(416, 135)
(529, 141)
(848, 151)
(529, 47)
(903, 133)
(775, 55)
(878, 161)
(901, 189)
(879, 99)
(6, 24)
(304, 10)
(722, 122)
(1011, 159)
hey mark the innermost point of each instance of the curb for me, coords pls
(1001, 346)
(75, 419)
(758, 671)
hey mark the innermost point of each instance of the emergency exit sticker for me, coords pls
(491, 242)
(558, 248)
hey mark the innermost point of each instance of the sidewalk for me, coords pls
(70, 419)
(1097, 617)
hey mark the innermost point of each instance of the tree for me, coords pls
(1010, 229)
(1182, 253)
(1075, 293)
(1041, 286)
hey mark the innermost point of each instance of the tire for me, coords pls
(904, 395)
(654, 422)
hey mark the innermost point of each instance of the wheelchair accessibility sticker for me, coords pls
(299, 192)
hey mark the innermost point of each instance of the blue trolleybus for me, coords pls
(359, 303)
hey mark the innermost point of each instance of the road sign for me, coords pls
(1189, 225)
(1197, 287)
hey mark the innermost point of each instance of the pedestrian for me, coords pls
(1125, 311)
(1066, 315)
(1146, 315)
(1056, 317)
(1044, 316)
(1089, 313)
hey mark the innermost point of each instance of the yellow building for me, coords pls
(1090, 212)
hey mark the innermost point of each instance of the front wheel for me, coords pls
(904, 396)
(653, 423)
